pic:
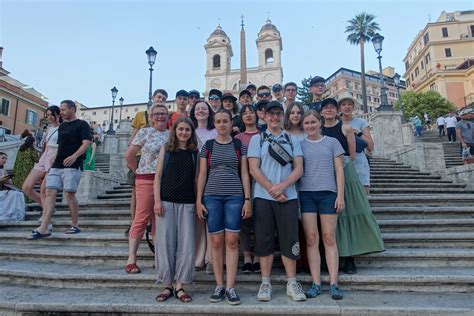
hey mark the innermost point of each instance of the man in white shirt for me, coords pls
(440, 121)
(451, 127)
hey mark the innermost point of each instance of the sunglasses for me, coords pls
(214, 97)
(264, 94)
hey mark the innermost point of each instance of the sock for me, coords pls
(266, 280)
(291, 280)
(247, 260)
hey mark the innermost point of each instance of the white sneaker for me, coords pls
(295, 291)
(265, 292)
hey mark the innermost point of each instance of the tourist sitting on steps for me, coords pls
(12, 201)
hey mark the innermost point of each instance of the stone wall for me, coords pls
(94, 183)
(426, 157)
(462, 174)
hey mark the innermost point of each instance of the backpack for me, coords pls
(209, 147)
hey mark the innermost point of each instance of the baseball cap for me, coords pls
(182, 93)
(273, 104)
(316, 79)
(277, 87)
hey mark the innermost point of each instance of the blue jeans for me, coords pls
(224, 213)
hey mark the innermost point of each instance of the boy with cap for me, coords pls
(263, 93)
(317, 85)
(245, 97)
(182, 100)
(193, 96)
(275, 201)
(215, 97)
(260, 109)
(277, 90)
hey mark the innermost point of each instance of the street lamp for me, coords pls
(396, 79)
(121, 106)
(114, 91)
(151, 54)
(377, 40)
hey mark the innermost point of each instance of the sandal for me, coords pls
(185, 298)
(165, 294)
(35, 235)
(132, 268)
(73, 230)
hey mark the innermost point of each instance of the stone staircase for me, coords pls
(452, 151)
(102, 162)
(428, 267)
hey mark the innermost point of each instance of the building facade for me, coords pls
(347, 80)
(21, 107)
(102, 114)
(441, 58)
(219, 53)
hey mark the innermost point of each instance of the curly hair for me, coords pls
(173, 143)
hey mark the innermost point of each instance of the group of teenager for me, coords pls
(230, 171)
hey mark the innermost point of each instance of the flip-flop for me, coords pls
(73, 230)
(35, 235)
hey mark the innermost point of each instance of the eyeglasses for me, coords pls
(279, 113)
(214, 97)
(320, 85)
(264, 94)
(193, 97)
(159, 114)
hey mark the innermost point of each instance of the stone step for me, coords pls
(116, 257)
(391, 225)
(99, 276)
(408, 212)
(418, 190)
(378, 184)
(414, 181)
(401, 172)
(407, 177)
(117, 239)
(31, 300)
(421, 200)
(404, 212)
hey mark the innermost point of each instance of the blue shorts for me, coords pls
(224, 213)
(321, 202)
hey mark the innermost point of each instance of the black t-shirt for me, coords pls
(177, 183)
(315, 105)
(70, 137)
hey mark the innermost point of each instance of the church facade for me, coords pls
(219, 53)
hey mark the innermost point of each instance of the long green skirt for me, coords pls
(357, 229)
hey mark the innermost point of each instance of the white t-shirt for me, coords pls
(451, 121)
(440, 121)
(52, 136)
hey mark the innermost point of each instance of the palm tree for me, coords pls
(361, 28)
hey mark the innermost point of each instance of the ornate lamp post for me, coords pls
(377, 40)
(151, 54)
(396, 79)
(121, 106)
(114, 91)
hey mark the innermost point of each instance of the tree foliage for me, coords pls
(417, 103)
(304, 94)
(360, 30)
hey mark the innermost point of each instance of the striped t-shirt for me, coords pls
(223, 175)
(319, 173)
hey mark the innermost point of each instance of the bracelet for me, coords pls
(247, 199)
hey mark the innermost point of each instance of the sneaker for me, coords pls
(265, 292)
(247, 268)
(218, 295)
(336, 294)
(256, 267)
(295, 291)
(232, 297)
(313, 291)
(349, 266)
(209, 269)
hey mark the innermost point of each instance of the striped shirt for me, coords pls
(319, 172)
(223, 175)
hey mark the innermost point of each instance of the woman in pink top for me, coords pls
(202, 116)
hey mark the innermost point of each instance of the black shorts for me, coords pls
(270, 217)
(131, 175)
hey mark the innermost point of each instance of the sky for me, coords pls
(79, 50)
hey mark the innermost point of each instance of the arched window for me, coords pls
(216, 62)
(236, 86)
(268, 56)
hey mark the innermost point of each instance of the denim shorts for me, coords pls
(66, 179)
(224, 213)
(321, 202)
